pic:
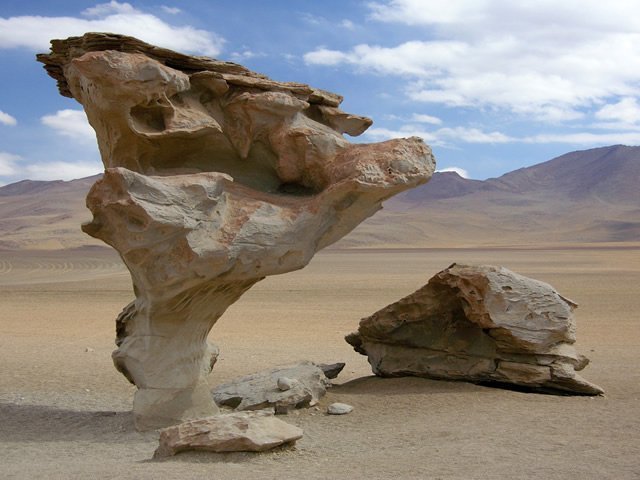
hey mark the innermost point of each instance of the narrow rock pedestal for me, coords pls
(216, 177)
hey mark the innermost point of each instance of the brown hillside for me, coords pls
(586, 196)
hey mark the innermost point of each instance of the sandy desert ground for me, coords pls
(65, 411)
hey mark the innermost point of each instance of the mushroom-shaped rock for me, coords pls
(215, 177)
(479, 324)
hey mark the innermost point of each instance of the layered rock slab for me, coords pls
(233, 432)
(215, 177)
(283, 388)
(478, 324)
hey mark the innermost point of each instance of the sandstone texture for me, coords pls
(478, 324)
(233, 432)
(215, 177)
(283, 388)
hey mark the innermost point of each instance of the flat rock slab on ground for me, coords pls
(307, 384)
(232, 432)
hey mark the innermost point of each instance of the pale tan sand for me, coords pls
(65, 412)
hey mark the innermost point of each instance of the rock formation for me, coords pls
(479, 324)
(282, 388)
(232, 432)
(215, 177)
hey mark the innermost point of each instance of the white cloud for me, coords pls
(422, 118)
(70, 123)
(419, 12)
(61, 170)
(171, 10)
(245, 55)
(549, 60)
(348, 24)
(8, 165)
(460, 171)
(322, 56)
(449, 136)
(587, 138)
(7, 119)
(626, 111)
(442, 136)
(34, 32)
(113, 7)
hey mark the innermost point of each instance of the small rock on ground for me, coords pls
(339, 409)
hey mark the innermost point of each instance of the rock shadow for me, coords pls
(44, 423)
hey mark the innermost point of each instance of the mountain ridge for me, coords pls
(584, 196)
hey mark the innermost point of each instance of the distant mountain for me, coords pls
(44, 214)
(609, 173)
(585, 196)
(441, 186)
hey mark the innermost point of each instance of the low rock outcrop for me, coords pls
(478, 324)
(233, 432)
(282, 388)
(215, 177)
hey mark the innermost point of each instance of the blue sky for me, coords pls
(491, 85)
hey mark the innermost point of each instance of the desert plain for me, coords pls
(65, 412)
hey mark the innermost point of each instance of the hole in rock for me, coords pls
(296, 189)
(175, 155)
(149, 119)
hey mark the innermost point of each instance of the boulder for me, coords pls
(306, 380)
(478, 324)
(216, 177)
(233, 432)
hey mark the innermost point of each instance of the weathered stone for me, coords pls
(339, 409)
(331, 370)
(479, 324)
(215, 177)
(308, 384)
(285, 383)
(233, 432)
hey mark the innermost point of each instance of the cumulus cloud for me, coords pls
(70, 123)
(34, 32)
(113, 7)
(546, 59)
(8, 165)
(7, 119)
(460, 171)
(323, 56)
(626, 111)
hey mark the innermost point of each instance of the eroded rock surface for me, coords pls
(479, 324)
(215, 177)
(306, 382)
(233, 432)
